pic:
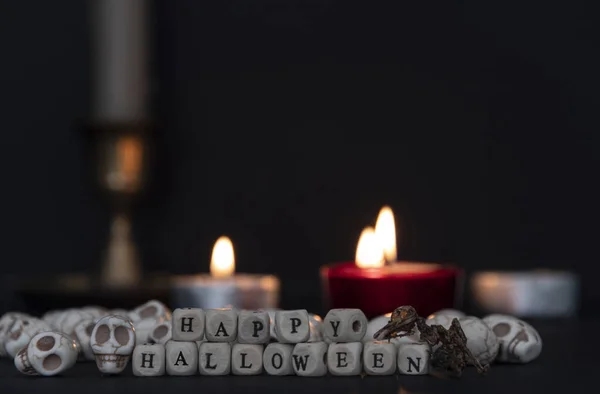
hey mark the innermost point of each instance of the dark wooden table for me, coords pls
(569, 363)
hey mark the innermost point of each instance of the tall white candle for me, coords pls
(120, 59)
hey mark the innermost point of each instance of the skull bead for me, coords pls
(519, 341)
(21, 332)
(6, 322)
(49, 353)
(113, 340)
(161, 333)
(481, 340)
(83, 335)
(147, 316)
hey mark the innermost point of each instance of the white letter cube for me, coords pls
(345, 325)
(345, 359)
(247, 359)
(254, 327)
(292, 326)
(380, 358)
(221, 325)
(182, 358)
(188, 324)
(413, 358)
(148, 360)
(277, 359)
(215, 358)
(310, 359)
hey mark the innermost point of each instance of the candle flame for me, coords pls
(385, 229)
(222, 262)
(369, 252)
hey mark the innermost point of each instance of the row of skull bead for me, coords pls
(110, 337)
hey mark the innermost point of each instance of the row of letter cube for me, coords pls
(303, 359)
(253, 327)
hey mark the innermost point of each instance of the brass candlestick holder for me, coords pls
(121, 160)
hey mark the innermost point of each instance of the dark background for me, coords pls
(286, 125)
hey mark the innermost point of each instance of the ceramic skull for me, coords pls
(96, 311)
(147, 316)
(49, 353)
(113, 340)
(519, 341)
(71, 318)
(481, 340)
(117, 312)
(6, 322)
(83, 335)
(21, 332)
(444, 317)
(161, 333)
(378, 322)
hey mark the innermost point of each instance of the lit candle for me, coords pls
(224, 287)
(376, 283)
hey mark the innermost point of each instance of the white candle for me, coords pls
(120, 59)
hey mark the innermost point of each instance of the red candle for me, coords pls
(377, 284)
(377, 291)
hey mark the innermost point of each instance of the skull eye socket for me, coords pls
(102, 334)
(51, 362)
(522, 336)
(501, 329)
(122, 335)
(45, 343)
(147, 312)
(89, 329)
(160, 331)
(16, 334)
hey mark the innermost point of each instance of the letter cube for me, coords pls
(345, 325)
(345, 359)
(380, 358)
(413, 358)
(254, 327)
(292, 326)
(148, 360)
(277, 359)
(182, 358)
(247, 359)
(188, 324)
(215, 358)
(221, 325)
(310, 359)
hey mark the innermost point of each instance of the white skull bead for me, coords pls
(49, 353)
(147, 316)
(481, 340)
(6, 322)
(378, 322)
(444, 317)
(21, 333)
(519, 341)
(113, 340)
(71, 318)
(161, 333)
(83, 335)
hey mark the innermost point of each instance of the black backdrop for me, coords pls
(287, 125)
